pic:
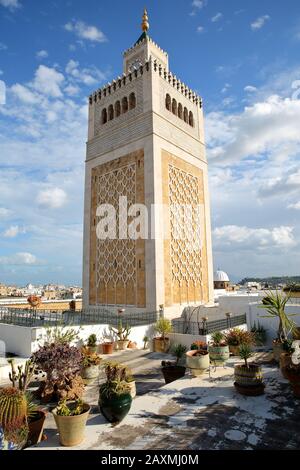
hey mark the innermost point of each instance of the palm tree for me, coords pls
(274, 303)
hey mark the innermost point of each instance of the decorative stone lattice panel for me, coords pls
(117, 274)
(185, 235)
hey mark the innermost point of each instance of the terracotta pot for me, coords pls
(36, 427)
(234, 350)
(122, 345)
(132, 345)
(293, 375)
(161, 345)
(219, 354)
(132, 388)
(197, 364)
(89, 374)
(107, 348)
(172, 373)
(71, 428)
(248, 376)
(277, 350)
(285, 361)
(92, 349)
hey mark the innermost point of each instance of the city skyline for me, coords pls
(252, 111)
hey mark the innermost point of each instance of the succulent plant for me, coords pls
(13, 406)
(21, 377)
(92, 341)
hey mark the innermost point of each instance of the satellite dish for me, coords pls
(296, 353)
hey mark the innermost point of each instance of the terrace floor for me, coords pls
(193, 413)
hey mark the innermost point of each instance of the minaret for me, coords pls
(146, 144)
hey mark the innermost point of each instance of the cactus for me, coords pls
(23, 377)
(121, 332)
(13, 407)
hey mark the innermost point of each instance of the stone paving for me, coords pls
(194, 413)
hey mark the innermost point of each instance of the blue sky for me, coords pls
(242, 57)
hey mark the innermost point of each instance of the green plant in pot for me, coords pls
(218, 348)
(173, 371)
(275, 304)
(162, 343)
(197, 359)
(122, 333)
(70, 418)
(20, 378)
(260, 334)
(90, 365)
(236, 337)
(248, 376)
(14, 416)
(92, 343)
(115, 394)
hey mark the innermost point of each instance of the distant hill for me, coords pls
(275, 280)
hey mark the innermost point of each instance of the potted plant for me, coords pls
(236, 337)
(92, 343)
(114, 395)
(285, 359)
(173, 371)
(21, 378)
(162, 343)
(145, 341)
(130, 380)
(14, 416)
(70, 419)
(62, 364)
(107, 347)
(197, 360)
(122, 333)
(290, 365)
(260, 334)
(248, 377)
(90, 365)
(275, 304)
(218, 349)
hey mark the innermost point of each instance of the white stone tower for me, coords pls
(146, 142)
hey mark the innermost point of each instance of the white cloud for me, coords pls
(84, 31)
(89, 76)
(261, 129)
(199, 4)
(4, 212)
(48, 81)
(250, 89)
(52, 198)
(3, 46)
(200, 29)
(13, 231)
(42, 54)
(284, 184)
(217, 17)
(24, 94)
(19, 259)
(226, 87)
(253, 238)
(11, 4)
(295, 206)
(260, 22)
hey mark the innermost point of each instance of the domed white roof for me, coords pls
(221, 276)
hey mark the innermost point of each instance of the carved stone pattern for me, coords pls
(116, 259)
(185, 254)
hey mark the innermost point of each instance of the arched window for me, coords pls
(117, 109)
(132, 101)
(186, 115)
(174, 106)
(110, 112)
(168, 102)
(124, 105)
(104, 116)
(191, 119)
(180, 111)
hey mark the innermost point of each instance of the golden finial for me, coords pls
(145, 23)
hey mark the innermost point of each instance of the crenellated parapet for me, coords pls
(141, 41)
(125, 79)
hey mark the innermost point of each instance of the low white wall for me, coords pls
(23, 341)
